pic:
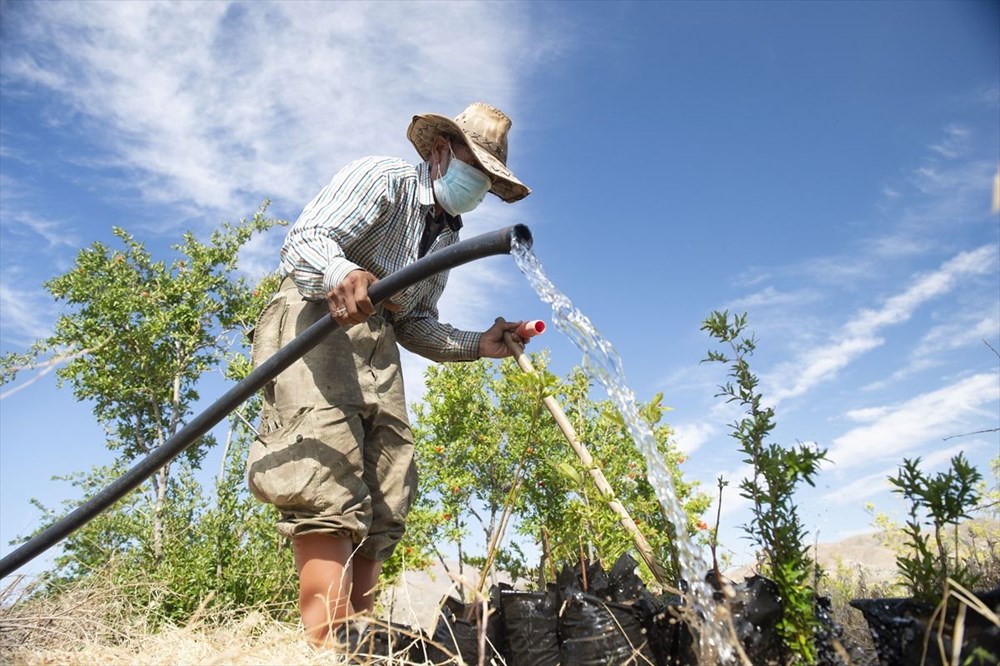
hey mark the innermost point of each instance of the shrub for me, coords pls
(775, 526)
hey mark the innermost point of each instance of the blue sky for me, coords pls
(825, 167)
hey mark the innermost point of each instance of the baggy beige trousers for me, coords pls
(335, 450)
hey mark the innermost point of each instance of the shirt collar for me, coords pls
(425, 190)
(425, 195)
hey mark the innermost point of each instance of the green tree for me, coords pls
(467, 460)
(490, 454)
(574, 501)
(135, 338)
(219, 545)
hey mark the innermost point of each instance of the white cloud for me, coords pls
(817, 365)
(475, 285)
(414, 369)
(861, 488)
(752, 276)
(219, 105)
(922, 213)
(21, 319)
(771, 297)
(733, 503)
(899, 308)
(898, 246)
(53, 232)
(947, 196)
(689, 437)
(259, 256)
(954, 143)
(859, 334)
(968, 330)
(209, 108)
(836, 270)
(935, 459)
(908, 427)
(989, 96)
(876, 483)
(867, 414)
(26, 227)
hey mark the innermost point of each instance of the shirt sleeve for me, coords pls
(354, 201)
(420, 332)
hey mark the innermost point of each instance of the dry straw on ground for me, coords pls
(94, 623)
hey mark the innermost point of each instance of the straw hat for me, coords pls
(484, 130)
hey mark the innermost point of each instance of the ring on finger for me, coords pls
(340, 312)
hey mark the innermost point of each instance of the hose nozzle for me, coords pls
(530, 329)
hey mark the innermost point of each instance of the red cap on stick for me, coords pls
(530, 329)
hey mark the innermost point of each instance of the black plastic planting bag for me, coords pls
(624, 584)
(531, 623)
(594, 581)
(830, 646)
(898, 627)
(669, 637)
(453, 637)
(458, 631)
(599, 633)
(756, 612)
(396, 640)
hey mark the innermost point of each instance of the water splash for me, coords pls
(602, 361)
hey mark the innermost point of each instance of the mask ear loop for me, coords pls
(452, 154)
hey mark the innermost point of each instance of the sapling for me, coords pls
(775, 526)
(940, 500)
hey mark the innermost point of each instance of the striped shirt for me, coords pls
(372, 216)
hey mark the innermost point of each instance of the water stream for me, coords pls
(604, 364)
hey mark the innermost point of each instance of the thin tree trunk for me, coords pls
(161, 495)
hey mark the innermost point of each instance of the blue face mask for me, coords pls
(461, 188)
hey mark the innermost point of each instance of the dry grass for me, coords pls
(253, 640)
(855, 581)
(93, 623)
(939, 629)
(97, 622)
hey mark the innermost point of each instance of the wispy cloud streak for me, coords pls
(913, 424)
(860, 334)
(21, 321)
(217, 105)
(873, 484)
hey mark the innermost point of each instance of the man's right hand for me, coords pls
(349, 302)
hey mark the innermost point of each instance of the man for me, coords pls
(335, 451)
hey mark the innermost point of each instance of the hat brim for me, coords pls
(426, 126)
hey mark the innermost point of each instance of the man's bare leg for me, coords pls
(325, 583)
(366, 574)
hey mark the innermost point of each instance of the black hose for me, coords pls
(485, 245)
